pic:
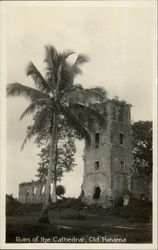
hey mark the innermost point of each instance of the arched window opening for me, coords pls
(97, 192)
(34, 190)
(27, 192)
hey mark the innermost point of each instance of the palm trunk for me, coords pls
(54, 195)
(44, 214)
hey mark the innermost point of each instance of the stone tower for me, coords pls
(108, 159)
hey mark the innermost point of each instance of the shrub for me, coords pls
(60, 190)
(12, 204)
(28, 208)
(119, 202)
(68, 203)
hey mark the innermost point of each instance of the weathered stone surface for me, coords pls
(114, 154)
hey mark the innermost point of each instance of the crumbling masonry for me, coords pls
(108, 159)
(31, 192)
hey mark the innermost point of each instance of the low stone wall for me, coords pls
(31, 192)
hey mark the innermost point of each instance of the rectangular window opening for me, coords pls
(121, 138)
(96, 166)
(97, 140)
(122, 166)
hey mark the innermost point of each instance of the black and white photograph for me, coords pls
(78, 124)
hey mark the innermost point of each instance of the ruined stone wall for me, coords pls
(31, 192)
(103, 180)
(114, 158)
(121, 157)
(102, 177)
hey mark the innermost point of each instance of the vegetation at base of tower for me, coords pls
(56, 94)
(142, 147)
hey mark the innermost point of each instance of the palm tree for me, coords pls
(56, 95)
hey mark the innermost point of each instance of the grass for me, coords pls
(136, 211)
(71, 218)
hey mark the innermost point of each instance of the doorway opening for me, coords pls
(97, 192)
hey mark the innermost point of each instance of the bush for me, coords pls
(27, 208)
(60, 190)
(12, 204)
(119, 202)
(14, 207)
(68, 203)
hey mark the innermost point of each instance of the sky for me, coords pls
(119, 40)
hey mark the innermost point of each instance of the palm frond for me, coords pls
(81, 58)
(88, 115)
(41, 117)
(75, 68)
(69, 88)
(67, 53)
(29, 135)
(59, 78)
(37, 77)
(84, 96)
(29, 110)
(17, 89)
(53, 61)
(39, 121)
(38, 104)
(51, 57)
(75, 122)
(98, 92)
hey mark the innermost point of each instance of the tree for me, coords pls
(12, 204)
(56, 94)
(142, 147)
(60, 191)
(65, 151)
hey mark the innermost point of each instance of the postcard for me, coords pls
(78, 125)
